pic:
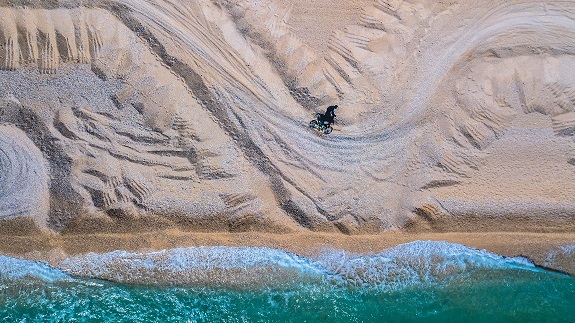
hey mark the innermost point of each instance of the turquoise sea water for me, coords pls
(420, 281)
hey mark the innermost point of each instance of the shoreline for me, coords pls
(53, 248)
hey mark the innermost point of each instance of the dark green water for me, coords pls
(446, 283)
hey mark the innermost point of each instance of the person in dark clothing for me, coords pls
(328, 116)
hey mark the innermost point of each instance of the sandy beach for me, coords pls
(136, 125)
(287, 160)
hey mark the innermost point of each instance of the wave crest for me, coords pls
(238, 267)
(13, 268)
(415, 263)
(406, 265)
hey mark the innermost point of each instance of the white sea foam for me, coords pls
(562, 258)
(223, 266)
(12, 268)
(415, 263)
(411, 264)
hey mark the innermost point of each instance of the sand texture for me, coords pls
(140, 116)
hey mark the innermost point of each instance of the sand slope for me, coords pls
(454, 116)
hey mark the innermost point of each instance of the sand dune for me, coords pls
(454, 116)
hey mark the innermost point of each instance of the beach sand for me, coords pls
(456, 123)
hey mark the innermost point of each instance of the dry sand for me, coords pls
(336, 15)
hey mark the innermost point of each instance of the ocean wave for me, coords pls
(417, 281)
(410, 264)
(416, 263)
(200, 266)
(13, 268)
(420, 262)
(561, 259)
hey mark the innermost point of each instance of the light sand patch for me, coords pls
(314, 21)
